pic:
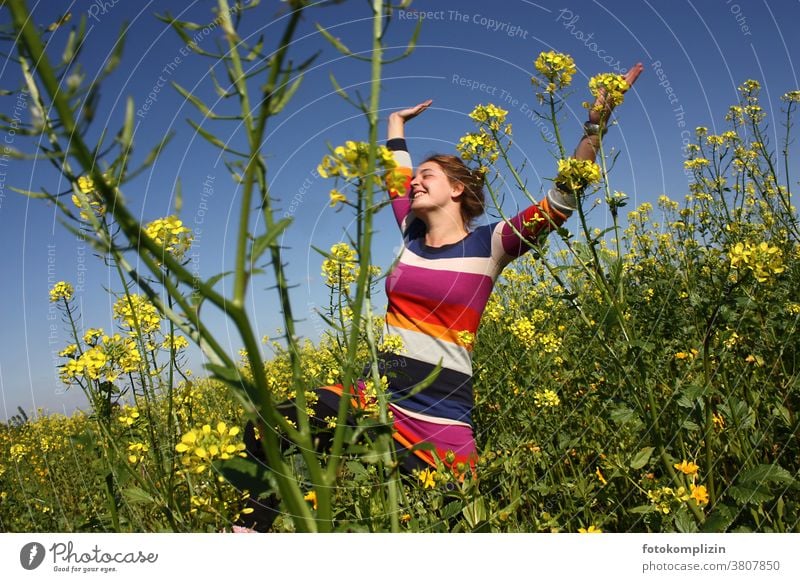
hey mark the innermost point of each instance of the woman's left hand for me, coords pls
(601, 110)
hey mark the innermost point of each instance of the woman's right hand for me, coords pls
(398, 119)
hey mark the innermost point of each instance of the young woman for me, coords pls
(437, 293)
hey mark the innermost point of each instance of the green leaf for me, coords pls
(178, 197)
(202, 107)
(684, 522)
(641, 458)
(137, 495)
(338, 89)
(767, 474)
(337, 44)
(244, 473)
(475, 512)
(750, 493)
(263, 242)
(720, 519)
(642, 509)
(214, 140)
(284, 96)
(126, 133)
(116, 56)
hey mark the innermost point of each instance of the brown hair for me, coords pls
(472, 199)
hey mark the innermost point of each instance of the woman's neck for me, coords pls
(437, 235)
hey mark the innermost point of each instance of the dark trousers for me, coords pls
(266, 510)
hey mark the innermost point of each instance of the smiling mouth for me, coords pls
(418, 193)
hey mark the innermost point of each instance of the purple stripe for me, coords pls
(466, 289)
(445, 437)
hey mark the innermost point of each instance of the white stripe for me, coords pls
(498, 252)
(431, 419)
(403, 159)
(471, 265)
(425, 348)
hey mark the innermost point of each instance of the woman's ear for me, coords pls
(457, 189)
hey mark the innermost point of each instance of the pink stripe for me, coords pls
(445, 437)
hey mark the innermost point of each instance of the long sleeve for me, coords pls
(401, 202)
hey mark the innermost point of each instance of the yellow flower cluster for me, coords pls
(136, 310)
(466, 338)
(546, 399)
(129, 415)
(612, 85)
(575, 175)
(696, 164)
(391, 344)
(490, 115)
(791, 97)
(113, 356)
(663, 498)
(762, 259)
(170, 234)
(202, 445)
(136, 452)
(86, 187)
(351, 162)
(61, 290)
(175, 342)
(341, 268)
(480, 147)
(557, 70)
(590, 530)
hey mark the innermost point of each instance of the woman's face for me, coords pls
(431, 188)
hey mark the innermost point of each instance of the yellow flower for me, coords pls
(591, 529)
(337, 197)
(170, 234)
(612, 85)
(556, 69)
(137, 310)
(489, 115)
(340, 269)
(61, 290)
(405, 518)
(312, 497)
(92, 334)
(699, 494)
(391, 344)
(574, 174)
(687, 467)
(466, 338)
(428, 478)
(600, 476)
(546, 399)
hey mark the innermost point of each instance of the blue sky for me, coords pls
(695, 54)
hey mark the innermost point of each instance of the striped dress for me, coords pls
(434, 295)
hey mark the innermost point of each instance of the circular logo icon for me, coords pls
(31, 555)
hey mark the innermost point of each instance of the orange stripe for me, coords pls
(461, 317)
(440, 332)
